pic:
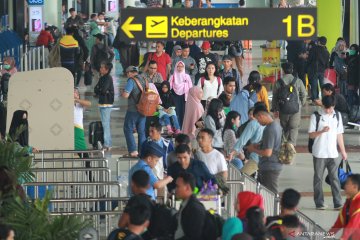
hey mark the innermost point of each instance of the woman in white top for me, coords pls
(211, 83)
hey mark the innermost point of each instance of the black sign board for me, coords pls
(218, 24)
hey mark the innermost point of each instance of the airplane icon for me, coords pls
(156, 26)
(156, 23)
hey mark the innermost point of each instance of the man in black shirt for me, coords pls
(139, 217)
(341, 104)
(289, 203)
(140, 182)
(318, 62)
(229, 90)
(185, 164)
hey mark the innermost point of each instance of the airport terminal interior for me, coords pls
(108, 131)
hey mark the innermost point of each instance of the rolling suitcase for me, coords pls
(96, 134)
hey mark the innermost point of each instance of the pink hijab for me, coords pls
(193, 111)
(180, 82)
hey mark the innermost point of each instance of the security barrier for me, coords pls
(239, 182)
(313, 230)
(34, 58)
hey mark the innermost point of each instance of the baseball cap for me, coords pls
(152, 148)
(206, 45)
(177, 47)
(132, 69)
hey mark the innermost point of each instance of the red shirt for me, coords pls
(352, 227)
(44, 38)
(162, 62)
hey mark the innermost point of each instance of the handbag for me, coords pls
(342, 173)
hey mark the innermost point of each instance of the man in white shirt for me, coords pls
(213, 159)
(326, 129)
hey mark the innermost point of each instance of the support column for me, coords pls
(52, 13)
(18, 17)
(329, 25)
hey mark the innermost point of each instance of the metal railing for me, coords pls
(315, 232)
(74, 191)
(78, 174)
(34, 58)
(239, 182)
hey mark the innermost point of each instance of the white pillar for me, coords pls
(11, 14)
(52, 12)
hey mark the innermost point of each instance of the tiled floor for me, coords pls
(298, 175)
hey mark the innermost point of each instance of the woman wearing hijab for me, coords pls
(353, 63)
(246, 200)
(177, 50)
(167, 109)
(20, 119)
(231, 227)
(193, 111)
(180, 84)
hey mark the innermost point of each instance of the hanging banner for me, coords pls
(218, 24)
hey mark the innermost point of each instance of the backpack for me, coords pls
(317, 117)
(101, 56)
(162, 223)
(288, 97)
(287, 152)
(149, 100)
(253, 96)
(54, 56)
(213, 226)
(202, 79)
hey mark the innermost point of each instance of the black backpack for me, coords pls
(213, 226)
(318, 116)
(162, 223)
(288, 97)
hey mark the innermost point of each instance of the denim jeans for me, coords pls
(105, 114)
(132, 120)
(166, 121)
(319, 77)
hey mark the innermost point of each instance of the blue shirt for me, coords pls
(253, 132)
(142, 165)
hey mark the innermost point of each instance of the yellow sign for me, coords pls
(127, 27)
(157, 27)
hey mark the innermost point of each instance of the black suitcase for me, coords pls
(88, 74)
(96, 134)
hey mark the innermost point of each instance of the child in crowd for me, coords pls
(167, 109)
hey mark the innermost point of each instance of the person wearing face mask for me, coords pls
(353, 75)
(9, 66)
(341, 66)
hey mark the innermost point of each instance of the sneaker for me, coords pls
(338, 207)
(323, 207)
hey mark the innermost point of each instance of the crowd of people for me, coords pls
(216, 117)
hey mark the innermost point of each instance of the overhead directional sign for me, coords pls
(218, 24)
